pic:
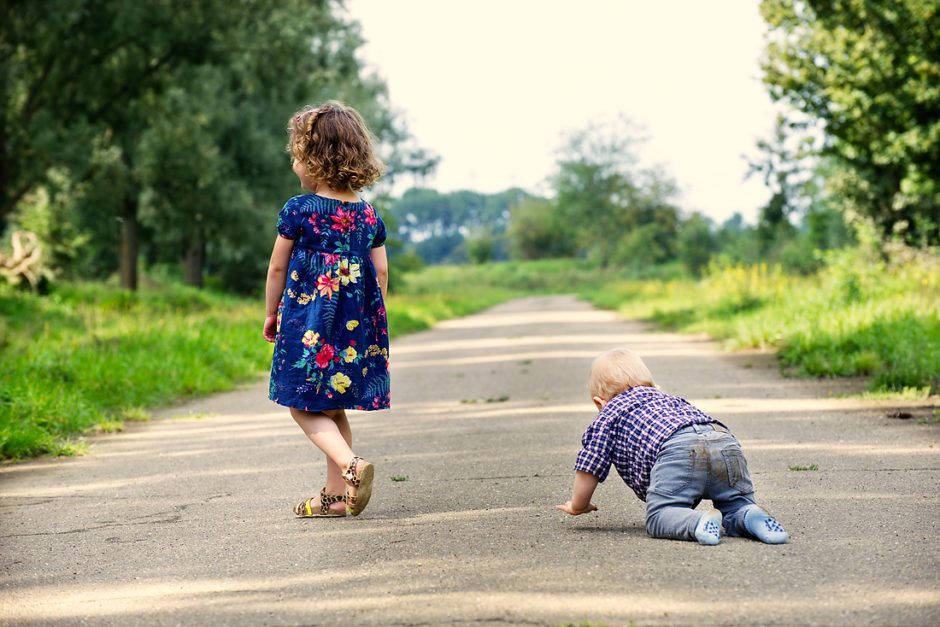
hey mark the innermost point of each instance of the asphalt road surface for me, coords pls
(187, 519)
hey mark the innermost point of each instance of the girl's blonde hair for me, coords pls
(618, 370)
(335, 146)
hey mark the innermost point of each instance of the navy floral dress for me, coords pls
(331, 350)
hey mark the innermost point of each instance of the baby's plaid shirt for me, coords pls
(629, 431)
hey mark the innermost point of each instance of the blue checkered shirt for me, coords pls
(629, 431)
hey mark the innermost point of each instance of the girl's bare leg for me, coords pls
(330, 432)
(334, 473)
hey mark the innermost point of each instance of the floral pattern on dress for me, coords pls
(331, 349)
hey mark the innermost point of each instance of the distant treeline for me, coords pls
(857, 146)
(149, 134)
(608, 209)
(478, 228)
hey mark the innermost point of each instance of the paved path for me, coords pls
(188, 520)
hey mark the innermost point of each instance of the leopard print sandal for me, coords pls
(361, 481)
(306, 508)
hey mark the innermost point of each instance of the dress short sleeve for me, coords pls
(288, 221)
(379, 238)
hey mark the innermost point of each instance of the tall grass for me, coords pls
(90, 355)
(859, 316)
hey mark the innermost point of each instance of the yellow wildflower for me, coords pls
(349, 355)
(352, 324)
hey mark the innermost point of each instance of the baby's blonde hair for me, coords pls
(618, 370)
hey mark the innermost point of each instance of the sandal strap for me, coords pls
(328, 499)
(350, 474)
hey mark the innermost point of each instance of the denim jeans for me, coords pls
(698, 462)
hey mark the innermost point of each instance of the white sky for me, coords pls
(493, 85)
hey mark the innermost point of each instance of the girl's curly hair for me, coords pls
(335, 146)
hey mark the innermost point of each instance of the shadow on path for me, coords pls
(188, 520)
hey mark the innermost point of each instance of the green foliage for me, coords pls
(442, 228)
(481, 247)
(737, 243)
(866, 74)
(91, 354)
(70, 66)
(803, 468)
(400, 266)
(857, 316)
(616, 212)
(539, 231)
(167, 119)
(696, 243)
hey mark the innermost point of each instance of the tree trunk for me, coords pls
(195, 261)
(129, 243)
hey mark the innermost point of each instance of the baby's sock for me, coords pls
(762, 526)
(708, 529)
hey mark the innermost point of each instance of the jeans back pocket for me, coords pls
(738, 477)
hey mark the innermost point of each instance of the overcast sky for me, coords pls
(493, 85)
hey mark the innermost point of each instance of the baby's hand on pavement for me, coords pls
(566, 508)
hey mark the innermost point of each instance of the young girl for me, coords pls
(324, 300)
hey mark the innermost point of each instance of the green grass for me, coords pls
(856, 317)
(90, 356)
(932, 419)
(801, 468)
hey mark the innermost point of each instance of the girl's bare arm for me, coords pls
(380, 261)
(274, 288)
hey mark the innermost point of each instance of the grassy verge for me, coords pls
(89, 355)
(859, 316)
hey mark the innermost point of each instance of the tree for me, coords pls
(786, 174)
(539, 231)
(419, 163)
(436, 225)
(614, 210)
(696, 243)
(481, 246)
(736, 241)
(299, 53)
(77, 72)
(865, 73)
(167, 119)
